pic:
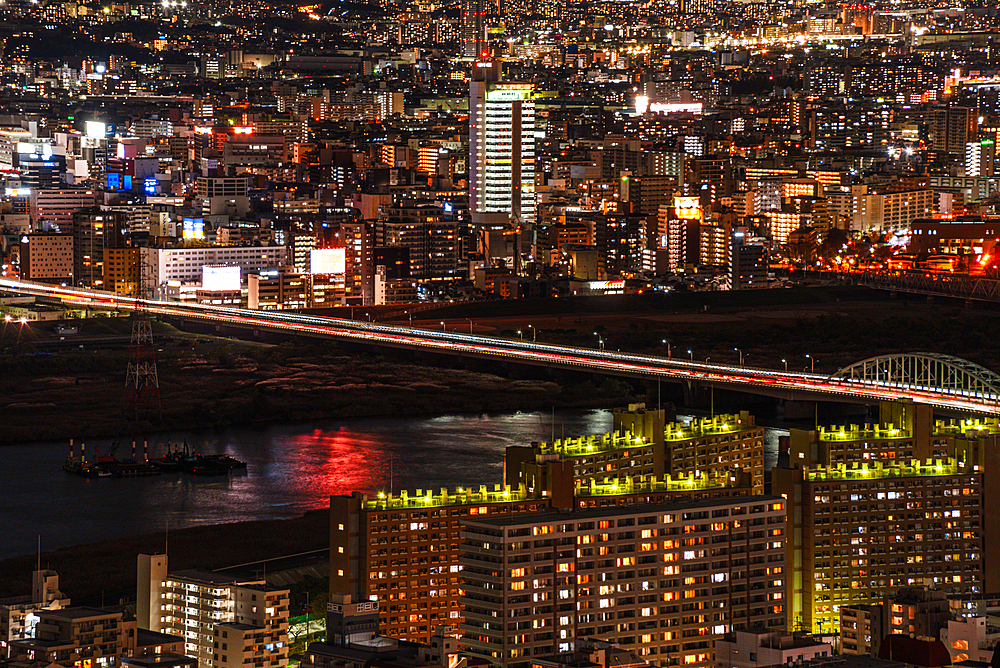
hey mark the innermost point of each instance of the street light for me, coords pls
(741, 355)
(470, 325)
(442, 326)
(600, 342)
(667, 343)
(691, 355)
(534, 333)
(812, 362)
(520, 335)
(785, 362)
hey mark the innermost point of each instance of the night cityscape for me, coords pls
(499, 334)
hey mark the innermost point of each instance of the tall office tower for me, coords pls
(501, 159)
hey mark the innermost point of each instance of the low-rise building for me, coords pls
(754, 647)
(970, 639)
(862, 628)
(72, 636)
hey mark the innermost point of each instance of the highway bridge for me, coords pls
(938, 380)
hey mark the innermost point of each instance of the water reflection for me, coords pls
(291, 469)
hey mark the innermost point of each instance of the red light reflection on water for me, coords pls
(339, 462)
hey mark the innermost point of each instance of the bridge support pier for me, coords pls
(695, 393)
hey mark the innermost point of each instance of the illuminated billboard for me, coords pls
(96, 129)
(643, 105)
(220, 279)
(687, 208)
(193, 228)
(328, 260)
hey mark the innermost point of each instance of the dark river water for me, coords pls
(290, 469)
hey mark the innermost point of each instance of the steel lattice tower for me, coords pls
(142, 385)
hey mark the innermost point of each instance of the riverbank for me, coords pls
(109, 567)
(80, 394)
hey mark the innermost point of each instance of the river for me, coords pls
(290, 469)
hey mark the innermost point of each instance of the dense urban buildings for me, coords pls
(399, 154)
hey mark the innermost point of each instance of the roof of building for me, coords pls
(162, 660)
(208, 577)
(638, 509)
(77, 612)
(846, 661)
(914, 651)
(147, 638)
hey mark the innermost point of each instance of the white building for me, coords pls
(185, 264)
(225, 621)
(980, 157)
(753, 648)
(501, 152)
(18, 616)
(970, 639)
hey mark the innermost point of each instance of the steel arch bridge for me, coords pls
(931, 371)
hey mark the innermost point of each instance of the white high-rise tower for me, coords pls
(502, 154)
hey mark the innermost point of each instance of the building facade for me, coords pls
(665, 581)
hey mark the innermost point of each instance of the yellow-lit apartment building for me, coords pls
(874, 508)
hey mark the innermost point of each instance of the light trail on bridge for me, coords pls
(747, 378)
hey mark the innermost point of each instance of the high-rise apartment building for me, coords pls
(641, 444)
(403, 549)
(502, 153)
(664, 580)
(860, 531)
(225, 621)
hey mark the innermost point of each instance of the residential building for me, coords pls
(403, 549)
(205, 608)
(642, 445)
(970, 639)
(433, 241)
(70, 636)
(19, 616)
(749, 648)
(919, 611)
(593, 654)
(862, 628)
(534, 584)
(859, 531)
